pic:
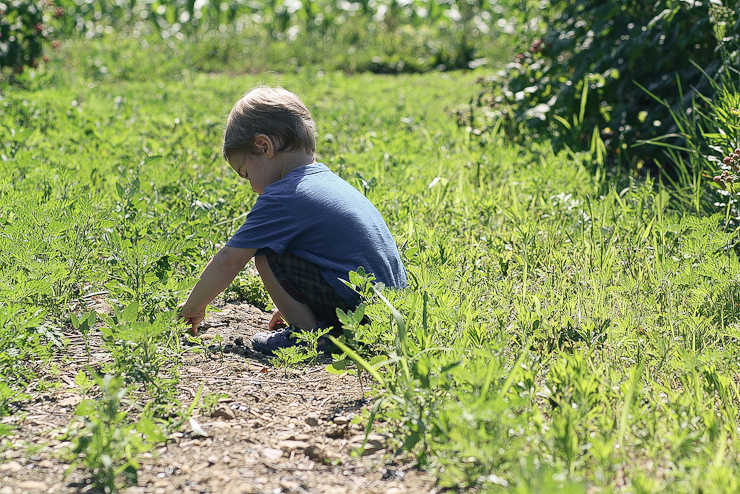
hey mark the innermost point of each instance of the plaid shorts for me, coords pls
(305, 284)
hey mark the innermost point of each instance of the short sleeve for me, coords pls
(268, 225)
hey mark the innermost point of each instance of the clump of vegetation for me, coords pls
(602, 71)
(383, 36)
(24, 31)
(108, 443)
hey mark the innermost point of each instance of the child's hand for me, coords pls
(192, 317)
(277, 321)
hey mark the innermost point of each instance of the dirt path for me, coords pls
(273, 432)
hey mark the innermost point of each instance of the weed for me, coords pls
(108, 444)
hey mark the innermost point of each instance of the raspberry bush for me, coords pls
(24, 30)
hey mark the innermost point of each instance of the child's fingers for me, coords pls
(277, 321)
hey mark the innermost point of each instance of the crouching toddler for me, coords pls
(307, 230)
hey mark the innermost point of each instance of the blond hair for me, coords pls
(275, 112)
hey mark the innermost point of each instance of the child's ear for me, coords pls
(265, 145)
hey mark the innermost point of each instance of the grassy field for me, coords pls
(564, 329)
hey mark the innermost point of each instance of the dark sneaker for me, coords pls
(268, 341)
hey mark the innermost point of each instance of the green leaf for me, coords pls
(339, 367)
(75, 320)
(130, 313)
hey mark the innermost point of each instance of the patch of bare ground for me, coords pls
(272, 431)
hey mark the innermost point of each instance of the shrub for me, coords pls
(585, 79)
(24, 29)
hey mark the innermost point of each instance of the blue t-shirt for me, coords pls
(315, 215)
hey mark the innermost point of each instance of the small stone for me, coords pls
(46, 464)
(272, 454)
(201, 466)
(393, 490)
(194, 370)
(375, 443)
(246, 473)
(289, 485)
(340, 420)
(206, 336)
(70, 401)
(315, 453)
(312, 419)
(335, 433)
(224, 412)
(212, 459)
(11, 467)
(33, 485)
(6, 490)
(289, 445)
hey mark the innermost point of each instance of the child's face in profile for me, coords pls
(258, 169)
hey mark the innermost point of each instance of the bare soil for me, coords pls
(273, 431)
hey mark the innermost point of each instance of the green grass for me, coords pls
(559, 333)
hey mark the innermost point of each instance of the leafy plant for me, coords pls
(24, 29)
(141, 350)
(306, 349)
(21, 343)
(591, 63)
(251, 289)
(289, 357)
(108, 444)
(211, 400)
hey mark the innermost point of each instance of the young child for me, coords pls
(307, 230)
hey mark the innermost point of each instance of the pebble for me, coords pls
(224, 412)
(289, 485)
(33, 485)
(340, 420)
(6, 490)
(71, 401)
(315, 453)
(272, 454)
(393, 490)
(375, 443)
(312, 419)
(289, 445)
(11, 467)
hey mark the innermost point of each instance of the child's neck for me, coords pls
(287, 161)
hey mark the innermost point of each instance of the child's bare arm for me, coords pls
(216, 277)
